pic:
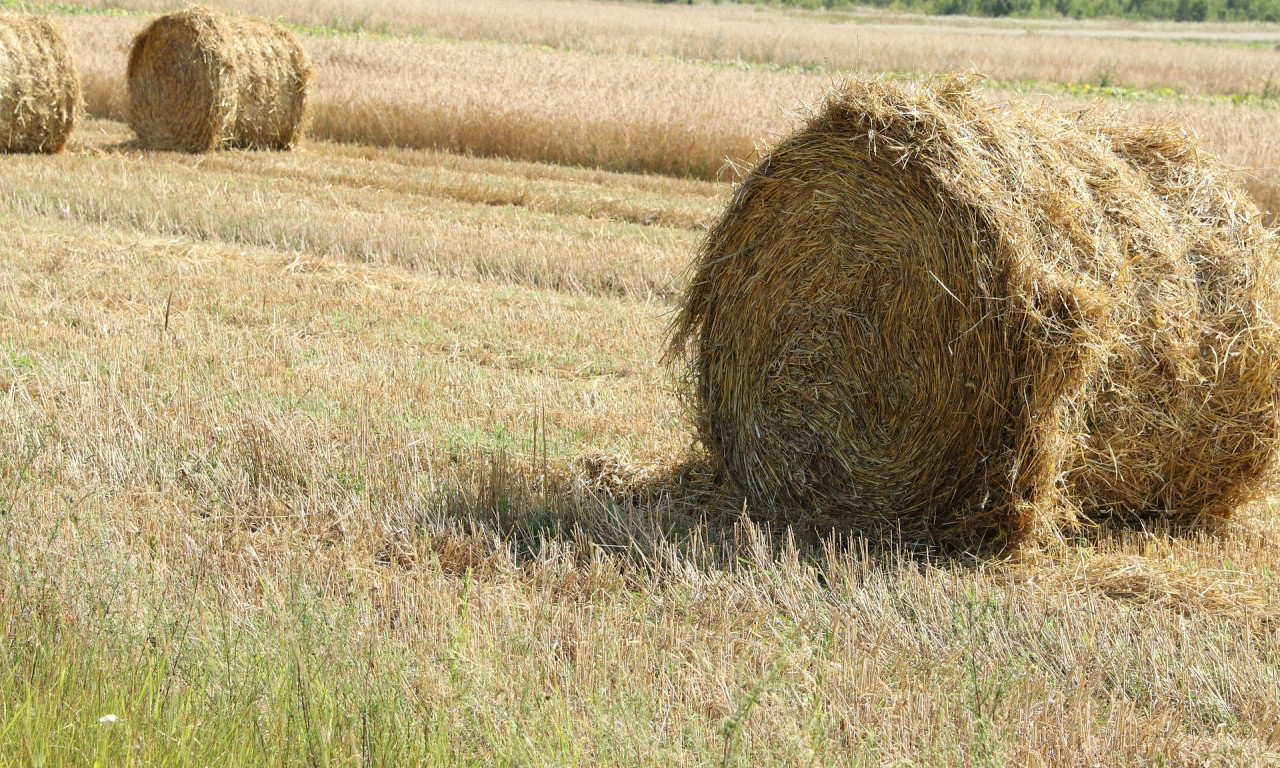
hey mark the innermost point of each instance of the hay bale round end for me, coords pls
(39, 86)
(973, 325)
(201, 81)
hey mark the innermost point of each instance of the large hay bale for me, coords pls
(39, 86)
(974, 323)
(200, 81)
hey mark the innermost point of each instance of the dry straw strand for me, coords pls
(199, 81)
(39, 86)
(975, 325)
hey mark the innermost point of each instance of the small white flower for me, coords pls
(108, 719)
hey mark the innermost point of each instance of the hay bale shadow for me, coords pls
(645, 517)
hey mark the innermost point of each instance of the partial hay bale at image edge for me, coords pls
(39, 86)
(201, 81)
(973, 326)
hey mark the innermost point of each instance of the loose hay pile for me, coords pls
(976, 324)
(200, 81)
(39, 87)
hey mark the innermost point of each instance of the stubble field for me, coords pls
(365, 454)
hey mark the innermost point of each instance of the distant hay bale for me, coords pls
(39, 87)
(201, 81)
(975, 324)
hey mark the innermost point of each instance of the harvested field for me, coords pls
(364, 454)
(355, 444)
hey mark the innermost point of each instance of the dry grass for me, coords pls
(383, 212)
(1246, 138)
(362, 455)
(610, 111)
(314, 486)
(1126, 54)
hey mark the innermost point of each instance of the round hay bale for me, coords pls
(1202, 443)
(973, 324)
(201, 81)
(39, 86)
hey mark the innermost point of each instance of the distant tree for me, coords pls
(1173, 10)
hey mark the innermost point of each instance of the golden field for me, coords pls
(1238, 59)
(365, 454)
(626, 112)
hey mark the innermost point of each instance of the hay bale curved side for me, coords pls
(273, 73)
(180, 82)
(200, 81)
(910, 316)
(39, 86)
(1208, 444)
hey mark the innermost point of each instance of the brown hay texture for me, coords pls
(974, 324)
(39, 86)
(201, 81)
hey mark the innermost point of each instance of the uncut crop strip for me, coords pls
(609, 111)
(1130, 55)
(613, 112)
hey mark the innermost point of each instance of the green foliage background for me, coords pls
(1175, 10)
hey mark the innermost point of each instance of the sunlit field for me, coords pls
(1194, 59)
(366, 454)
(675, 115)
